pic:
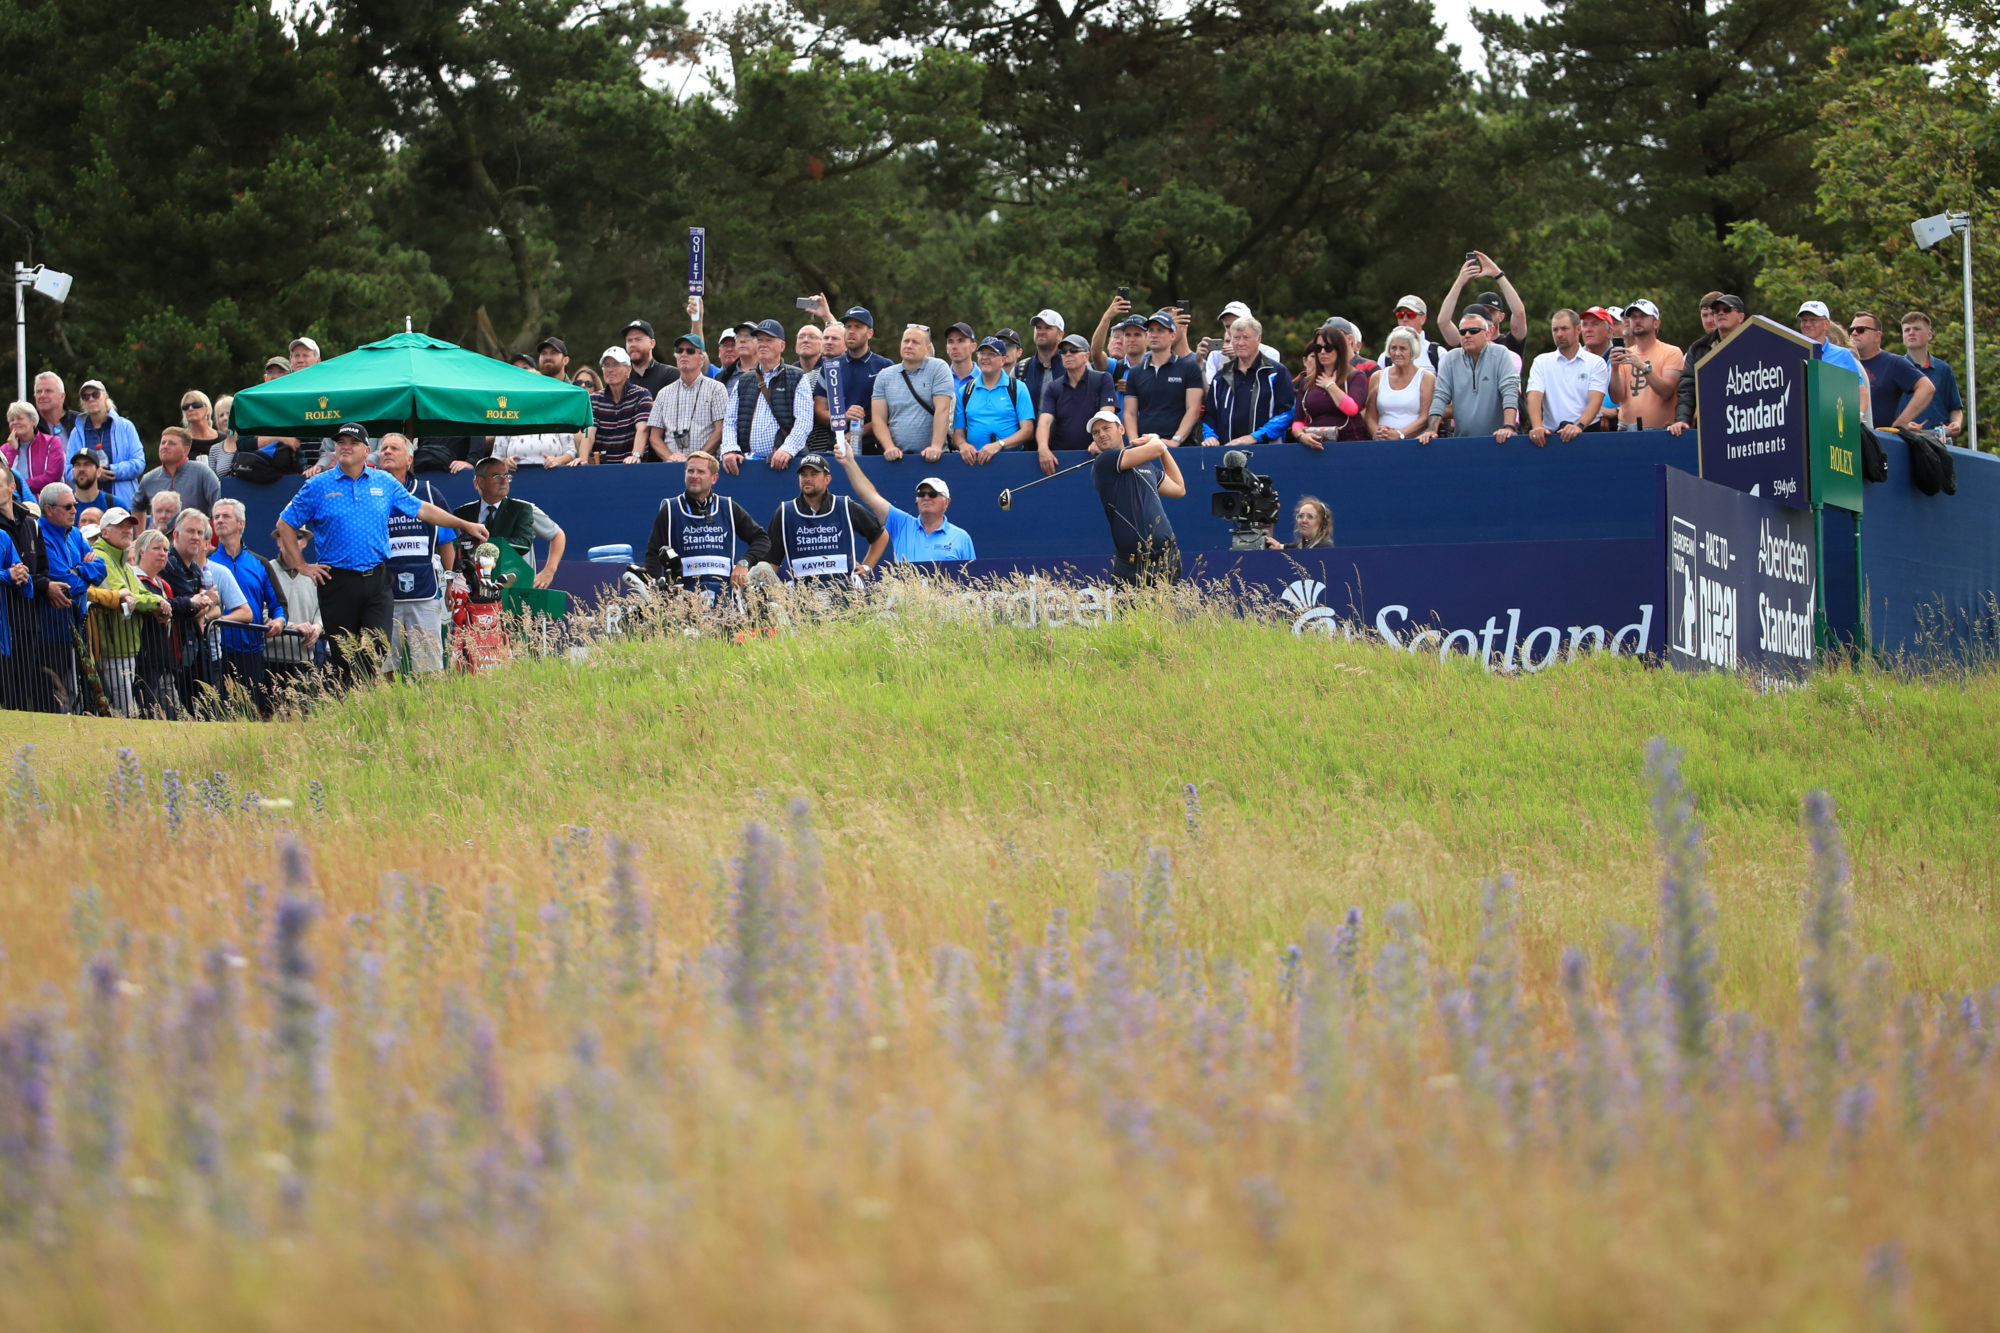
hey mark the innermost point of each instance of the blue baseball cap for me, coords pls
(1164, 318)
(858, 314)
(770, 328)
(1131, 322)
(993, 345)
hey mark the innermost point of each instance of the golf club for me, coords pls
(1007, 496)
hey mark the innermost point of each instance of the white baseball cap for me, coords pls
(114, 516)
(306, 343)
(1236, 309)
(936, 484)
(1052, 318)
(1644, 306)
(1816, 308)
(1414, 304)
(618, 354)
(1104, 414)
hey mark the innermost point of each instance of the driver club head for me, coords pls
(1007, 499)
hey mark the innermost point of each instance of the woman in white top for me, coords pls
(1399, 394)
(556, 449)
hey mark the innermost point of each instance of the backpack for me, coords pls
(1874, 461)
(1931, 468)
(254, 467)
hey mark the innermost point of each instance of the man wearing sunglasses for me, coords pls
(1896, 387)
(1721, 315)
(112, 438)
(65, 569)
(1411, 314)
(922, 537)
(1478, 382)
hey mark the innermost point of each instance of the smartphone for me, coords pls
(807, 303)
(1617, 342)
(1124, 293)
(1472, 256)
(1181, 304)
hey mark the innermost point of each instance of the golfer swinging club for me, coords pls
(347, 508)
(1130, 479)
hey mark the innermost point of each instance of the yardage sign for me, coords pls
(1741, 574)
(1751, 396)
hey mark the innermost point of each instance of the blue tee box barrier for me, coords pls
(1933, 562)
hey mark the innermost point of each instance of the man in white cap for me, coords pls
(1217, 354)
(1047, 330)
(1411, 314)
(1814, 320)
(618, 411)
(1645, 372)
(914, 538)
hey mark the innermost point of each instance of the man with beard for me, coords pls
(821, 537)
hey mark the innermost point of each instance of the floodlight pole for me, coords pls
(22, 278)
(1962, 222)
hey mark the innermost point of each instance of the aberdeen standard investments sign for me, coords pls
(1751, 395)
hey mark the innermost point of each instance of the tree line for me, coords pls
(221, 175)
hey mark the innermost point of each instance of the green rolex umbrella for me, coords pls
(414, 383)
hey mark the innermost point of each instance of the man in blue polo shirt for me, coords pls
(1899, 391)
(1946, 413)
(1069, 401)
(994, 412)
(921, 537)
(348, 510)
(858, 369)
(1814, 320)
(1163, 393)
(242, 646)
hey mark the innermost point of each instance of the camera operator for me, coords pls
(1130, 479)
(1312, 523)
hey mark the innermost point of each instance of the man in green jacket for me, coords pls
(516, 522)
(115, 607)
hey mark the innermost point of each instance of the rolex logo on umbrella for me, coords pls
(322, 402)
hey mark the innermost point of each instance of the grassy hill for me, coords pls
(1031, 994)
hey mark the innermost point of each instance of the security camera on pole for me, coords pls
(49, 283)
(1929, 232)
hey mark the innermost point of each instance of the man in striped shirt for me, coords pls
(618, 412)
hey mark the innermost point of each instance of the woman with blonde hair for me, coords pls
(1312, 525)
(1399, 393)
(198, 415)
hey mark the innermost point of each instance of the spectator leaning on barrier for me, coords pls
(1899, 391)
(810, 345)
(209, 596)
(1477, 382)
(687, 415)
(1481, 266)
(117, 606)
(514, 521)
(1399, 394)
(1565, 387)
(416, 551)
(821, 537)
(1645, 372)
(1129, 479)
(995, 411)
(21, 529)
(1163, 393)
(912, 408)
(1250, 399)
(243, 647)
(292, 662)
(153, 689)
(1722, 313)
(1597, 336)
(1069, 401)
(65, 571)
(619, 411)
(1816, 323)
(50, 396)
(704, 530)
(33, 455)
(112, 438)
(1330, 392)
(186, 477)
(770, 409)
(647, 372)
(1945, 413)
(1312, 522)
(348, 511)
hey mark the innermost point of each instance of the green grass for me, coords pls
(954, 762)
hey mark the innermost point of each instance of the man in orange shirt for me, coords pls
(1645, 372)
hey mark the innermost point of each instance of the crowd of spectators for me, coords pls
(130, 588)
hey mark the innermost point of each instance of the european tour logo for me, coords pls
(322, 414)
(501, 413)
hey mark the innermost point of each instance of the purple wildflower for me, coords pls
(174, 798)
(100, 1132)
(1826, 962)
(1191, 800)
(1687, 912)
